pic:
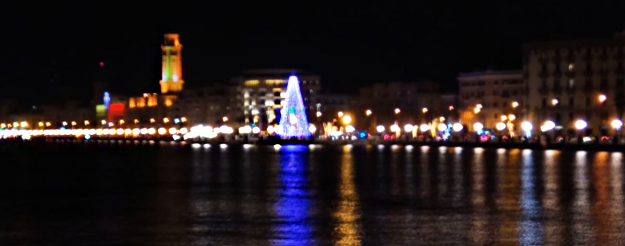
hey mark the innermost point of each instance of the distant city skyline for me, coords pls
(347, 46)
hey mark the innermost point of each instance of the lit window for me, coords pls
(571, 67)
(274, 81)
(251, 82)
(131, 103)
(168, 103)
(140, 102)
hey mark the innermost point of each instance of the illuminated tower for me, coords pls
(171, 80)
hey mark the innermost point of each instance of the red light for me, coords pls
(115, 110)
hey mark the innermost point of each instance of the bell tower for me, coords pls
(171, 80)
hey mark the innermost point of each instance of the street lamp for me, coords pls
(602, 98)
(347, 119)
(457, 127)
(548, 126)
(617, 124)
(340, 114)
(500, 126)
(527, 128)
(380, 128)
(515, 104)
(424, 110)
(580, 124)
(442, 127)
(408, 127)
(397, 111)
(368, 112)
(478, 127)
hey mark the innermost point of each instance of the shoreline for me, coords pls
(490, 145)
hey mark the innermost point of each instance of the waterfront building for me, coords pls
(401, 102)
(491, 97)
(576, 80)
(208, 105)
(158, 107)
(259, 93)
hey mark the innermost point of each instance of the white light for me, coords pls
(120, 131)
(226, 129)
(602, 98)
(617, 124)
(162, 131)
(312, 128)
(380, 128)
(172, 130)
(478, 126)
(278, 129)
(350, 128)
(457, 127)
(548, 126)
(424, 127)
(500, 126)
(395, 128)
(408, 127)
(136, 131)
(580, 124)
(442, 127)
(151, 131)
(526, 126)
(270, 129)
(245, 129)
(256, 130)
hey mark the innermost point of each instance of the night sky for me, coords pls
(51, 53)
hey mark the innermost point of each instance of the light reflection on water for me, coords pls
(292, 223)
(310, 195)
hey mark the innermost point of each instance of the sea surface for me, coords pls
(181, 194)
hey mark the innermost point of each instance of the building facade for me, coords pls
(260, 93)
(171, 79)
(151, 108)
(487, 96)
(576, 80)
(401, 102)
(207, 105)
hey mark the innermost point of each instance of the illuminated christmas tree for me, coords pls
(293, 121)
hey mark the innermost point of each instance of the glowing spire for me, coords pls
(293, 121)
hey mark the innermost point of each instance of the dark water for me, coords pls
(163, 194)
